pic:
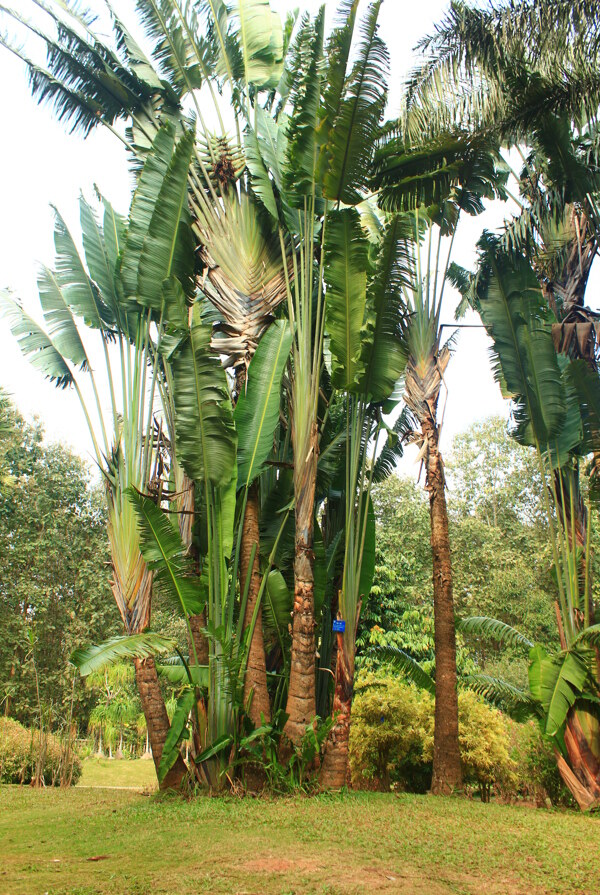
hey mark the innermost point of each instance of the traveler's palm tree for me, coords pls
(80, 299)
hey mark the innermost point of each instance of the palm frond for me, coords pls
(483, 626)
(513, 700)
(134, 646)
(393, 449)
(405, 663)
(166, 556)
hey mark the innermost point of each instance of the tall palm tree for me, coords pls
(556, 410)
(440, 180)
(500, 67)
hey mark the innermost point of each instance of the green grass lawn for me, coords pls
(92, 842)
(137, 774)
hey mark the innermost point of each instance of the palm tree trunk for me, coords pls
(447, 773)
(132, 590)
(157, 720)
(186, 509)
(255, 681)
(301, 703)
(334, 772)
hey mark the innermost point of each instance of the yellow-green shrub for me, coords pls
(19, 752)
(390, 725)
(391, 739)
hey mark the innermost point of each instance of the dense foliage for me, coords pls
(500, 554)
(54, 575)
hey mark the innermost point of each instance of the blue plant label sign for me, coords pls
(339, 625)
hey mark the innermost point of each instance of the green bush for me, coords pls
(536, 778)
(19, 754)
(391, 723)
(391, 740)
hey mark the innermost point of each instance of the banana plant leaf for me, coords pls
(256, 413)
(177, 732)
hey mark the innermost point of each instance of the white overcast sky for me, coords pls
(42, 165)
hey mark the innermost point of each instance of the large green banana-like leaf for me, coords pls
(256, 413)
(134, 646)
(177, 731)
(143, 204)
(114, 228)
(57, 314)
(385, 350)
(168, 248)
(177, 673)
(557, 682)
(276, 605)
(258, 36)
(585, 385)
(262, 185)
(80, 292)
(484, 626)
(306, 63)
(101, 268)
(35, 344)
(205, 433)
(165, 554)
(346, 280)
(355, 128)
(516, 316)
(339, 45)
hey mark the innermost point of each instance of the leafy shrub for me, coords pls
(536, 778)
(391, 723)
(484, 739)
(391, 738)
(20, 751)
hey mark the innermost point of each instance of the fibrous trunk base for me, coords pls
(334, 771)
(301, 704)
(255, 681)
(157, 720)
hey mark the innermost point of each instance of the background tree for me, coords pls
(62, 595)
